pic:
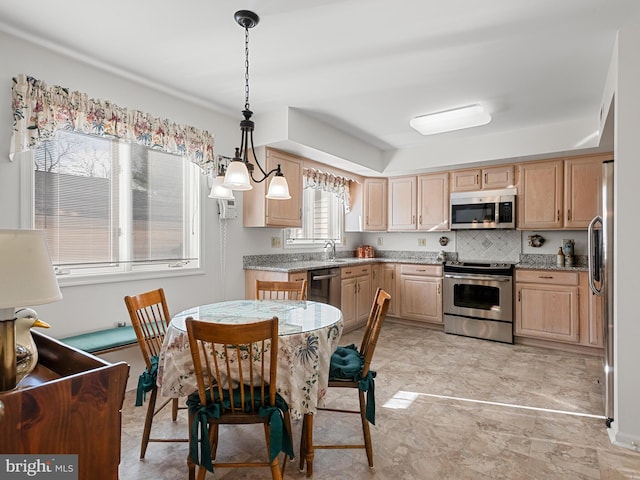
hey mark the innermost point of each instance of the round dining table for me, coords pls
(308, 334)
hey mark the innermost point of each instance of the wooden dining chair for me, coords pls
(150, 318)
(350, 368)
(235, 367)
(279, 290)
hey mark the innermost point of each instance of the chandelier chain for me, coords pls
(246, 68)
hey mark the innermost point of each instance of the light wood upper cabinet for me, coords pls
(375, 204)
(540, 195)
(582, 190)
(560, 193)
(489, 178)
(257, 211)
(403, 195)
(419, 203)
(433, 202)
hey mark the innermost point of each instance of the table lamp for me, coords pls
(26, 278)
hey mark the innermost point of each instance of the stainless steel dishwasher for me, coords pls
(323, 285)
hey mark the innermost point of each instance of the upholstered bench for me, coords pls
(103, 341)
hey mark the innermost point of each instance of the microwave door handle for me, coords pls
(594, 252)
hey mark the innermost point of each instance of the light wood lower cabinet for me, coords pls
(356, 296)
(557, 306)
(250, 277)
(384, 276)
(421, 293)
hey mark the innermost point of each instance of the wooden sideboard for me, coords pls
(70, 404)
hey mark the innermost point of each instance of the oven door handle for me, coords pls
(323, 277)
(497, 278)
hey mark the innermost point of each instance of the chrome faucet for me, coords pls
(331, 254)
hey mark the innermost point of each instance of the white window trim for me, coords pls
(27, 221)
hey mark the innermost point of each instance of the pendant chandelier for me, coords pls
(239, 172)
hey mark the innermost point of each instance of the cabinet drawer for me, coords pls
(423, 270)
(350, 272)
(547, 277)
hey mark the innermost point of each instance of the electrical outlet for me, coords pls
(422, 242)
(276, 242)
(379, 241)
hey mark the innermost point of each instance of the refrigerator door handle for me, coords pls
(593, 250)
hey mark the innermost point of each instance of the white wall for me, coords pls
(626, 427)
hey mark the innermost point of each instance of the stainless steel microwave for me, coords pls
(484, 209)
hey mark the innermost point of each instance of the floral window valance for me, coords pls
(39, 110)
(329, 182)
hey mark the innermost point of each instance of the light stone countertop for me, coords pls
(303, 265)
(290, 264)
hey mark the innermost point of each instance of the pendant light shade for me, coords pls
(278, 188)
(218, 190)
(237, 176)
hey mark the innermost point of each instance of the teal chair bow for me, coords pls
(235, 367)
(279, 438)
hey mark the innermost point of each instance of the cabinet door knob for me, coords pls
(569, 214)
(558, 214)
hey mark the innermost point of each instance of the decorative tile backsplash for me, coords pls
(489, 245)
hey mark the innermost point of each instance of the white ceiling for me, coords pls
(363, 66)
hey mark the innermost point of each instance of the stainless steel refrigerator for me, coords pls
(600, 247)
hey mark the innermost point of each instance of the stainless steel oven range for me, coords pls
(478, 300)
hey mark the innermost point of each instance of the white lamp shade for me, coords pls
(449, 120)
(237, 176)
(26, 273)
(278, 189)
(219, 191)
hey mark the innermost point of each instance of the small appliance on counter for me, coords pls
(365, 251)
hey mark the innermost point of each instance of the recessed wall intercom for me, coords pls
(227, 208)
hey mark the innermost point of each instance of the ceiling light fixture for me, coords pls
(240, 170)
(449, 120)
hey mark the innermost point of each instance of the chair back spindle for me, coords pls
(279, 290)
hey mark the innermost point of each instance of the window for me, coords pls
(114, 207)
(322, 219)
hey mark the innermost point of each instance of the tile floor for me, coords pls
(473, 409)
